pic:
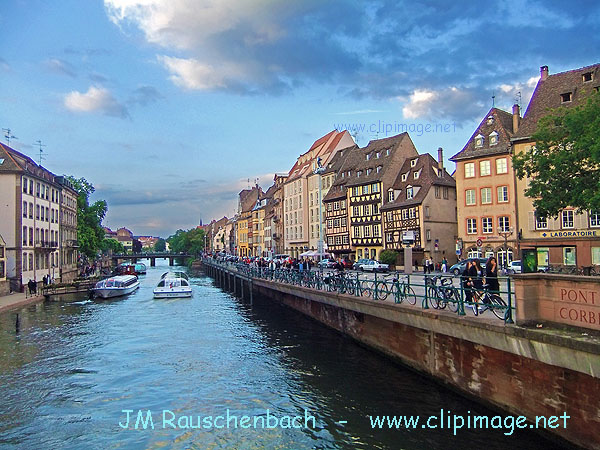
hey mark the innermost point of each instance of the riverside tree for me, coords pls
(564, 164)
(89, 218)
(191, 241)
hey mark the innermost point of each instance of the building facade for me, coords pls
(571, 238)
(68, 230)
(30, 200)
(486, 190)
(296, 191)
(380, 163)
(422, 202)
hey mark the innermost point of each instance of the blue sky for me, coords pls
(168, 107)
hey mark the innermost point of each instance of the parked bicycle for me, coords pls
(484, 300)
(441, 293)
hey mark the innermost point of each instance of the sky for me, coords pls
(171, 107)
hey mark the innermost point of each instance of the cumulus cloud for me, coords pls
(96, 99)
(461, 104)
(383, 50)
(144, 95)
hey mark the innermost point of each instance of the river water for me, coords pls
(71, 366)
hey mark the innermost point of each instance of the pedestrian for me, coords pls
(34, 287)
(431, 266)
(467, 283)
(491, 275)
(444, 265)
(425, 266)
(30, 286)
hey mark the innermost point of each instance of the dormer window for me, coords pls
(359, 173)
(588, 76)
(387, 152)
(416, 175)
(413, 163)
(493, 138)
(379, 169)
(490, 120)
(478, 141)
(390, 195)
(377, 155)
(343, 173)
(368, 171)
(566, 97)
(404, 176)
(368, 156)
(409, 192)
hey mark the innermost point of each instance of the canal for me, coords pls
(70, 367)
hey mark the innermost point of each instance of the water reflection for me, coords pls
(75, 364)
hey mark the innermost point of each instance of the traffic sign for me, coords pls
(479, 242)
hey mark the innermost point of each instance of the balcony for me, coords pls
(276, 236)
(71, 243)
(46, 245)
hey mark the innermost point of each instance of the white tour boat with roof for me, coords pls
(116, 286)
(173, 285)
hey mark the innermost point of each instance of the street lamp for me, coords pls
(319, 171)
(505, 233)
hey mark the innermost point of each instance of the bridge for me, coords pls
(119, 258)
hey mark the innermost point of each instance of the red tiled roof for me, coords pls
(547, 96)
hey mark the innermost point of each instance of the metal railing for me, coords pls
(428, 291)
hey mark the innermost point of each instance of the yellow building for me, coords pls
(571, 239)
(244, 237)
(380, 163)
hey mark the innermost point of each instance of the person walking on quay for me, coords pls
(30, 286)
(444, 265)
(431, 266)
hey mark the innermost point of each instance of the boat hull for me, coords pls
(116, 292)
(172, 293)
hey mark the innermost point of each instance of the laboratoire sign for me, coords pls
(571, 234)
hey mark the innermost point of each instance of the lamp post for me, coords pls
(319, 171)
(505, 233)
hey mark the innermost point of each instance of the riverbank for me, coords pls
(17, 300)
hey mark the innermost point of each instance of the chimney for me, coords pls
(544, 72)
(516, 117)
(441, 159)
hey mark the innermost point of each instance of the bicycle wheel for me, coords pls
(433, 298)
(366, 289)
(452, 298)
(382, 290)
(409, 295)
(498, 306)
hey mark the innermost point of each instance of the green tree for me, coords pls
(191, 241)
(564, 164)
(160, 245)
(388, 257)
(89, 218)
(111, 244)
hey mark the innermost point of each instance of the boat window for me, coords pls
(110, 283)
(184, 283)
(162, 283)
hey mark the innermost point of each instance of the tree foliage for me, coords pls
(89, 218)
(564, 165)
(388, 256)
(112, 244)
(191, 241)
(160, 245)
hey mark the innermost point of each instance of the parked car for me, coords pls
(459, 267)
(347, 264)
(357, 264)
(374, 266)
(514, 267)
(326, 263)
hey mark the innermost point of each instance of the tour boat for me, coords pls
(116, 286)
(131, 269)
(173, 285)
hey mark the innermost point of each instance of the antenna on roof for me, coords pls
(8, 135)
(493, 100)
(518, 99)
(42, 157)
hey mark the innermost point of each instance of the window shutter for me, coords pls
(531, 220)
